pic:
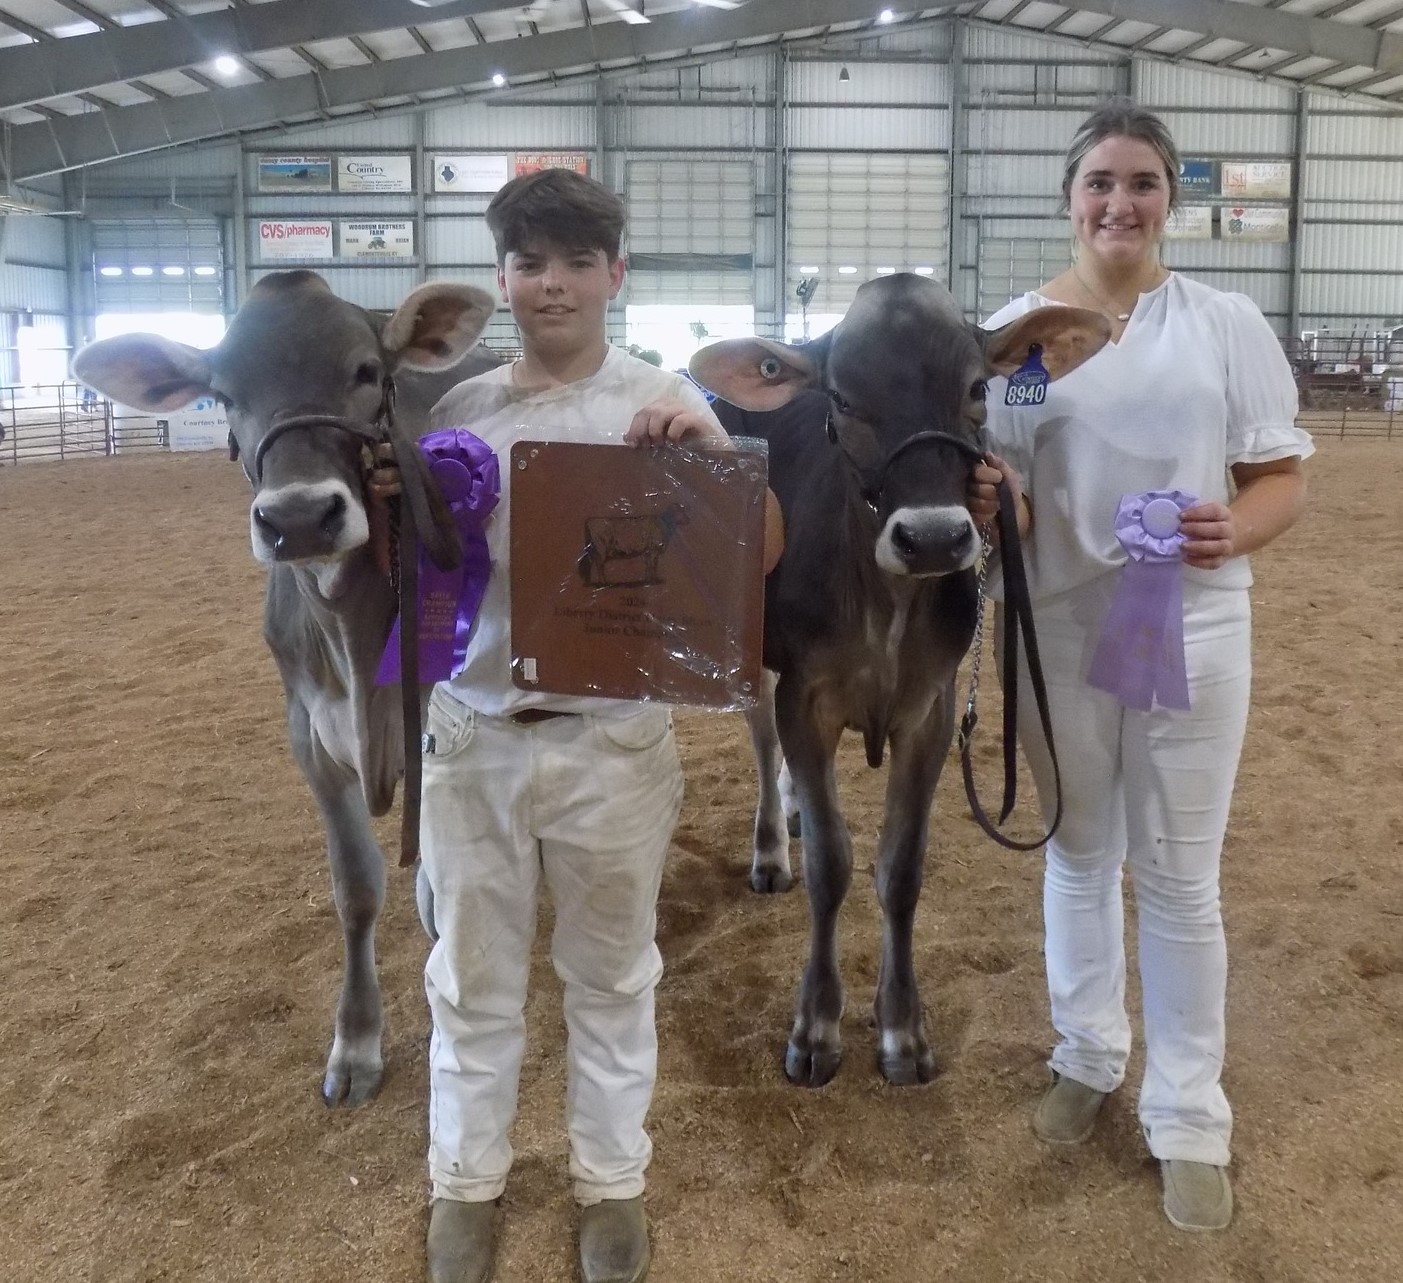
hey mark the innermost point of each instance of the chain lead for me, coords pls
(977, 645)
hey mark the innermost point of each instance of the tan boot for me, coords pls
(614, 1241)
(1197, 1196)
(462, 1241)
(1067, 1113)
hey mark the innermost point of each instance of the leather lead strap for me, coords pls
(409, 685)
(1020, 606)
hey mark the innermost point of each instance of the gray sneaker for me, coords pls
(1067, 1112)
(1197, 1196)
(462, 1240)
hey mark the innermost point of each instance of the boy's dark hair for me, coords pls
(558, 207)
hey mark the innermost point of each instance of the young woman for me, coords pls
(1192, 399)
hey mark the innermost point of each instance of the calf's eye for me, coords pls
(978, 390)
(368, 372)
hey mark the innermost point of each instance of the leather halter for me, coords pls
(420, 513)
(871, 488)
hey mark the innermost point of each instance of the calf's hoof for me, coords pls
(811, 1066)
(462, 1241)
(351, 1081)
(614, 1241)
(770, 879)
(905, 1069)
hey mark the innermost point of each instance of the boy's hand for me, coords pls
(672, 421)
(383, 482)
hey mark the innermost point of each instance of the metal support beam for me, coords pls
(959, 165)
(1298, 203)
(85, 62)
(1229, 20)
(52, 146)
(779, 158)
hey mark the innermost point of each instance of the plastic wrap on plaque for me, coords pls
(638, 573)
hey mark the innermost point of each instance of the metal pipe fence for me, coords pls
(57, 421)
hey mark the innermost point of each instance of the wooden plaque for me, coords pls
(638, 574)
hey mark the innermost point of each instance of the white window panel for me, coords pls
(1008, 269)
(864, 212)
(733, 288)
(158, 264)
(691, 207)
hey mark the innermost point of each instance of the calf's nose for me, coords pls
(932, 546)
(295, 526)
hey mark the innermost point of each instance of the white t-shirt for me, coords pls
(1197, 383)
(596, 409)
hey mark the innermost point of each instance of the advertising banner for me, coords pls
(374, 174)
(528, 162)
(471, 173)
(310, 239)
(1197, 178)
(294, 173)
(1262, 223)
(1256, 179)
(1190, 223)
(377, 240)
(202, 426)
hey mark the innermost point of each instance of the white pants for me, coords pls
(1151, 789)
(590, 804)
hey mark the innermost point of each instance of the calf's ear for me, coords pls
(758, 374)
(437, 325)
(1068, 336)
(144, 371)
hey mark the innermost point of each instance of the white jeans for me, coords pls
(589, 803)
(1151, 789)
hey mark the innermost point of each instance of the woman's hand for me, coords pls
(982, 497)
(1210, 535)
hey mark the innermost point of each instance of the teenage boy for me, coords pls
(522, 787)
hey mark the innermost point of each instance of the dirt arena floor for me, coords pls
(171, 958)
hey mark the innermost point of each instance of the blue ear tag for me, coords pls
(1027, 385)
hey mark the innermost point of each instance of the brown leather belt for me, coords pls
(529, 716)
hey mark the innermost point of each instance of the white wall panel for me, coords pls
(1165, 85)
(1356, 248)
(479, 127)
(688, 125)
(213, 161)
(1364, 134)
(35, 240)
(36, 289)
(1352, 180)
(464, 239)
(692, 206)
(1375, 298)
(868, 129)
(1231, 136)
(879, 82)
(384, 131)
(999, 42)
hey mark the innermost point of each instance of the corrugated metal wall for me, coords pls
(771, 135)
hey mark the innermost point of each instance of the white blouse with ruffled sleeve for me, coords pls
(1198, 382)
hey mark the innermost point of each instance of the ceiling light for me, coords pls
(925, 271)
(206, 271)
(885, 16)
(843, 76)
(227, 66)
(172, 271)
(498, 79)
(810, 270)
(886, 271)
(143, 271)
(847, 271)
(109, 271)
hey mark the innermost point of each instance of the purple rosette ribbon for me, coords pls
(466, 471)
(1140, 655)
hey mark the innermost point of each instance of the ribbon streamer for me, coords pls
(1140, 655)
(466, 472)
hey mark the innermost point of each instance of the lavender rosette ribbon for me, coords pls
(466, 471)
(1140, 655)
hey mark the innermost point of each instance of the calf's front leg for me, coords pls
(815, 1042)
(769, 860)
(355, 1066)
(918, 753)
